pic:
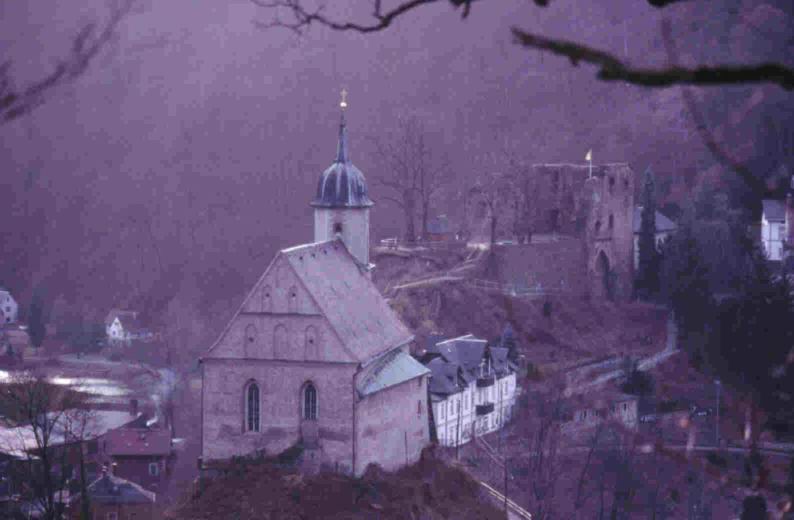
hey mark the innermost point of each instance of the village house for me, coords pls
(8, 307)
(125, 326)
(472, 388)
(664, 229)
(314, 355)
(114, 498)
(140, 453)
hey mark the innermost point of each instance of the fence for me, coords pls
(511, 289)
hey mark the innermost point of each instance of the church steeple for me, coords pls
(341, 147)
(341, 206)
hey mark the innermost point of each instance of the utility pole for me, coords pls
(717, 416)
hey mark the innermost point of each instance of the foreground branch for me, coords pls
(15, 102)
(613, 69)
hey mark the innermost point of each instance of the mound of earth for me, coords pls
(262, 489)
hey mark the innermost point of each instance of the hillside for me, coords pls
(263, 489)
(431, 295)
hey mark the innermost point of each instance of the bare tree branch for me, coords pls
(15, 102)
(752, 182)
(613, 69)
(303, 18)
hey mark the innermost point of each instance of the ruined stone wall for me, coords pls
(280, 384)
(564, 200)
(556, 265)
(392, 426)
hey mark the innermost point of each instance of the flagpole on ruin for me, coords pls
(589, 159)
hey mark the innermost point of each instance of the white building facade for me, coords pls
(9, 308)
(773, 228)
(472, 389)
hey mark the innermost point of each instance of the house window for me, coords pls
(310, 402)
(154, 469)
(441, 410)
(252, 408)
(419, 408)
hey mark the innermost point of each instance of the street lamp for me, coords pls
(717, 416)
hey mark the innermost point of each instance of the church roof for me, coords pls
(389, 370)
(342, 185)
(353, 306)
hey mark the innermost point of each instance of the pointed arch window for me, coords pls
(309, 402)
(252, 407)
(337, 228)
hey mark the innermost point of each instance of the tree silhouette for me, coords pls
(648, 269)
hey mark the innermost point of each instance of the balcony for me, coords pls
(485, 381)
(484, 409)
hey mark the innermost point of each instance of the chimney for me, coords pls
(134, 407)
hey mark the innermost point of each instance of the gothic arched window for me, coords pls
(252, 407)
(337, 227)
(309, 402)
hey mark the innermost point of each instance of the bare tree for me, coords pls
(544, 457)
(495, 192)
(414, 173)
(52, 423)
(90, 40)
(297, 16)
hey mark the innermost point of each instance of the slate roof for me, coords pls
(466, 351)
(774, 210)
(499, 361)
(444, 377)
(109, 489)
(342, 185)
(130, 442)
(391, 369)
(663, 224)
(351, 303)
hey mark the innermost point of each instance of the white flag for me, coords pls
(589, 156)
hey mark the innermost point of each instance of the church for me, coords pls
(314, 355)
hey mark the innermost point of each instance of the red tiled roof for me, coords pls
(138, 441)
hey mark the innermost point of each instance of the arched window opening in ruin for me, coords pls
(611, 184)
(605, 274)
(309, 402)
(598, 226)
(252, 407)
(611, 221)
(337, 228)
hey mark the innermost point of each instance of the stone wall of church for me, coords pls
(355, 228)
(392, 426)
(280, 389)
